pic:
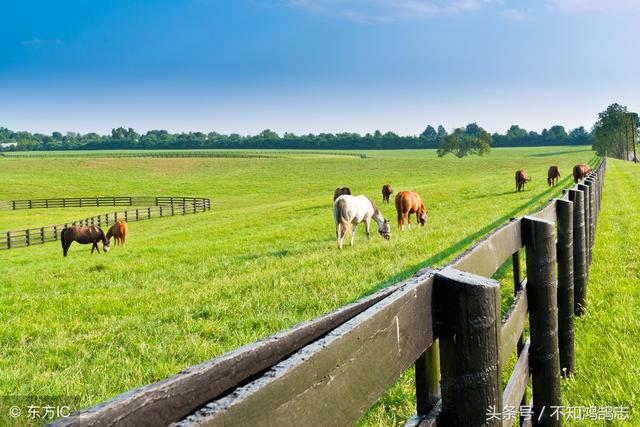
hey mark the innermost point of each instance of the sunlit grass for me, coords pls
(187, 289)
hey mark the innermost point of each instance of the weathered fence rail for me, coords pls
(146, 208)
(447, 322)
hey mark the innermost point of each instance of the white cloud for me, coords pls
(594, 5)
(389, 10)
(514, 14)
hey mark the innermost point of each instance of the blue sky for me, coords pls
(314, 65)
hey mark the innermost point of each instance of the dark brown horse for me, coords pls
(408, 202)
(521, 179)
(83, 235)
(340, 191)
(553, 176)
(580, 172)
(387, 191)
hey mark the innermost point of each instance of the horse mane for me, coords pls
(376, 211)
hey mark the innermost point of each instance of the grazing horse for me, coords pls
(580, 172)
(340, 191)
(521, 178)
(349, 211)
(83, 235)
(408, 202)
(387, 191)
(553, 176)
(119, 232)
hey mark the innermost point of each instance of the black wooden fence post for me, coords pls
(539, 239)
(427, 370)
(579, 253)
(564, 249)
(468, 307)
(587, 221)
(592, 216)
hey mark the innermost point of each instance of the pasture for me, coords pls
(186, 289)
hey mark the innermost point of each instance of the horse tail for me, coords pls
(63, 240)
(338, 208)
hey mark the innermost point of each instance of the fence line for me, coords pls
(156, 207)
(447, 322)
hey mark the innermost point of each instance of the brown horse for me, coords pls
(521, 179)
(119, 232)
(83, 235)
(553, 176)
(408, 202)
(580, 172)
(387, 191)
(340, 191)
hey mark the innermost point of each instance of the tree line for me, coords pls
(462, 141)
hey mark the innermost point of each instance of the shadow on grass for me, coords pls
(558, 153)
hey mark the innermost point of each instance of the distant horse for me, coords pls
(521, 179)
(553, 175)
(341, 191)
(349, 211)
(83, 235)
(387, 191)
(580, 172)
(408, 202)
(119, 232)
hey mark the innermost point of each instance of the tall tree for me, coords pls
(614, 132)
(465, 141)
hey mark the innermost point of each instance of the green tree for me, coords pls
(429, 133)
(614, 132)
(515, 132)
(465, 141)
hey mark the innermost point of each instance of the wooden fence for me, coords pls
(154, 207)
(447, 322)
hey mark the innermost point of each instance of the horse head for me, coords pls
(105, 241)
(422, 216)
(384, 229)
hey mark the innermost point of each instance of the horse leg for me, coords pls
(341, 232)
(353, 233)
(400, 221)
(367, 226)
(65, 248)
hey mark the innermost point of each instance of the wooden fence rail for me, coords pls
(447, 322)
(154, 207)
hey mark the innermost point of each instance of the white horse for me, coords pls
(349, 211)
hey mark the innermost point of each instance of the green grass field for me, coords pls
(187, 289)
